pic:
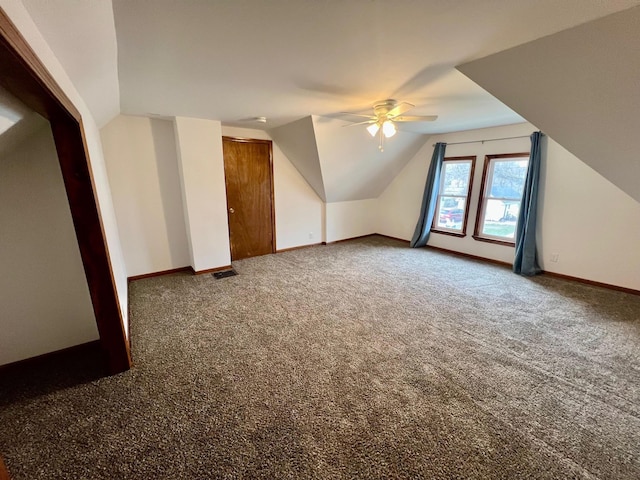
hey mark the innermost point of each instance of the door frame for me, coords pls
(271, 185)
(27, 78)
(4, 474)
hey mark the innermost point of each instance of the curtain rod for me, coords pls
(489, 140)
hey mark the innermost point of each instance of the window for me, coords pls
(452, 206)
(500, 197)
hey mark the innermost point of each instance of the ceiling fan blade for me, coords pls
(416, 118)
(355, 117)
(355, 114)
(366, 122)
(399, 109)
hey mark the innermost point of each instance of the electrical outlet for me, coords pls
(555, 257)
(310, 235)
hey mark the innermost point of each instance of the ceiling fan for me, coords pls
(385, 114)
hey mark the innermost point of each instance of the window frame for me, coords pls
(455, 233)
(482, 200)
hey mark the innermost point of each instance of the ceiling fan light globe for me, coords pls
(373, 129)
(389, 129)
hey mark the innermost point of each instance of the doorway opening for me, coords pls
(24, 76)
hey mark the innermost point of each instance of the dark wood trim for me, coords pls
(497, 242)
(274, 248)
(408, 242)
(481, 204)
(451, 234)
(26, 77)
(463, 233)
(4, 473)
(211, 270)
(488, 260)
(40, 79)
(35, 362)
(76, 173)
(592, 282)
(473, 257)
(247, 140)
(133, 278)
(350, 238)
(282, 250)
(544, 272)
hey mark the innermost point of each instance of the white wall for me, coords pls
(21, 18)
(144, 173)
(592, 111)
(590, 223)
(43, 290)
(299, 210)
(398, 209)
(351, 219)
(298, 142)
(201, 167)
(352, 166)
(141, 158)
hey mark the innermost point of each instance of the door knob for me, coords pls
(231, 210)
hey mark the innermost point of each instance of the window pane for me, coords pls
(450, 213)
(455, 178)
(500, 218)
(508, 178)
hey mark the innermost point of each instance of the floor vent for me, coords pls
(225, 274)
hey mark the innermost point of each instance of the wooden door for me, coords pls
(248, 172)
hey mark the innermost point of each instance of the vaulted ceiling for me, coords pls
(17, 122)
(286, 59)
(582, 87)
(293, 59)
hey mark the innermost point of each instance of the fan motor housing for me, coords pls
(382, 107)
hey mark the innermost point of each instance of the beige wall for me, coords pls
(43, 290)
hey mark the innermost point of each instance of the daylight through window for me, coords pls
(501, 194)
(453, 195)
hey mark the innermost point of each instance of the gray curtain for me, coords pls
(526, 260)
(430, 197)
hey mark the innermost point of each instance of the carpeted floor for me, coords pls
(363, 359)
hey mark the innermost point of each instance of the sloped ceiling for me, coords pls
(352, 166)
(82, 35)
(343, 164)
(580, 86)
(287, 59)
(17, 122)
(297, 140)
